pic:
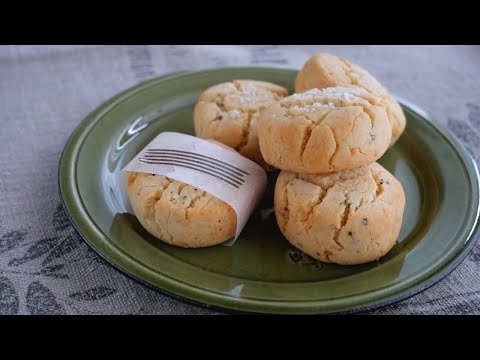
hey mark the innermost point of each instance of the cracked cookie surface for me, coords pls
(228, 113)
(348, 217)
(325, 70)
(178, 213)
(321, 131)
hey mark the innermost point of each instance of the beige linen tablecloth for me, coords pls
(45, 91)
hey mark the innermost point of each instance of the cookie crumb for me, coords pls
(234, 113)
(312, 108)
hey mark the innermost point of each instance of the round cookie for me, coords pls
(178, 213)
(326, 130)
(325, 70)
(348, 217)
(228, 113)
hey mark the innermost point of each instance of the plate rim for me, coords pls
(82, 130)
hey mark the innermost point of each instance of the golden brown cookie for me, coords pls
(178, 213)
(228, 113)
(348, 217)
(326, 130)
(325, 70)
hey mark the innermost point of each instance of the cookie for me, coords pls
(348, 217)
(320, 131)
(180, 214)
(325, 70)
(228, 113)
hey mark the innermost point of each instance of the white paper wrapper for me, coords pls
(210, 167)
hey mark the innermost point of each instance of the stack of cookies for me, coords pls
(332, 200)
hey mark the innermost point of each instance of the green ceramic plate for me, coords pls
(262, 272)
